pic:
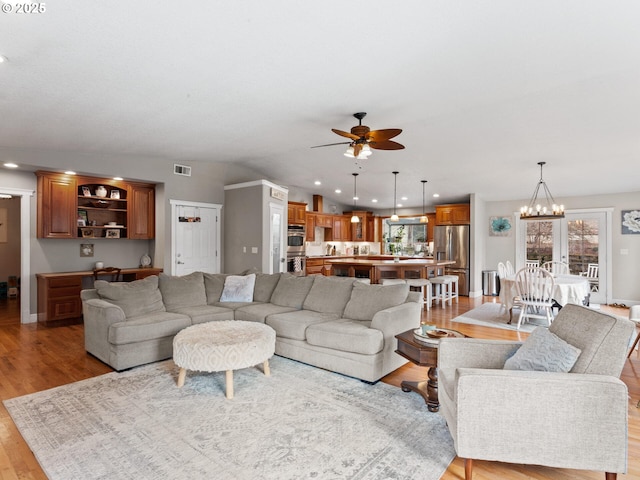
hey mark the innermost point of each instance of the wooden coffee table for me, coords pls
(425, 354)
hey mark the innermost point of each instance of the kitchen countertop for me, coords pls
(369, 256)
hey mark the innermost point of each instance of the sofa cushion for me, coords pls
(182, 291)
(147, 327)
(329, 294)
(213, 286)
(257, 312)
(206, 313)
(265, 285)
(291, 290)
(367, 300)
(543, 351)
(346, 335)
(136, 298)
(294, 324)
(238, 288)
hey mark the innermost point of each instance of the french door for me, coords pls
(581, 239)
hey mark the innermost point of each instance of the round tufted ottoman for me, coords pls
(223, 346)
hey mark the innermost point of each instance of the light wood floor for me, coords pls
(34, 358)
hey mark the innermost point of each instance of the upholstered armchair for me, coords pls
(576, 419)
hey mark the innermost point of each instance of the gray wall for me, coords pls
(243, 226)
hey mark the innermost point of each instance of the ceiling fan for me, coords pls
(363, 139)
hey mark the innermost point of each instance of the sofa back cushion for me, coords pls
(213, 286)
(265, 285)
(291, 290)
(367, 300)
(329, 294)
(136, 298)
(184, 291)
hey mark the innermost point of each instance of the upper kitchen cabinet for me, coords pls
(89, 207)
(364, 230)
(341, 231)
(457, 214)
(56, 206)
(296, 213)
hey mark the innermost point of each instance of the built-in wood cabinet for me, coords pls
(364, 230)
(310, 227)
(59, 293)
(297, 213)
(72, 206)
(341, 231)
(455, 214)
(324, 220)
(315, 266)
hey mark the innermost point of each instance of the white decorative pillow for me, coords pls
(238, 288)
(544, 351)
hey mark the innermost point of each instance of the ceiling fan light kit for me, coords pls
(538, 211)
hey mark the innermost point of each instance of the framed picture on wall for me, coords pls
(499, 226)
(115, 194)
(631, 222)
(86, 191)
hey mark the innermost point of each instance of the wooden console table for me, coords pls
(59, 293)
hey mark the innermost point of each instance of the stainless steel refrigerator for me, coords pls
(451, 242)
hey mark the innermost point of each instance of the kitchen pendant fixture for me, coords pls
(394, 217)
(423, 218)
(355, 218)
(537, 211)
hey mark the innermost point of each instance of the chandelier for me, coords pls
(542, 211)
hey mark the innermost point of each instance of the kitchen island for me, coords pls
(376, 270)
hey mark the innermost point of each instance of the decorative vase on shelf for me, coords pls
(101, 191)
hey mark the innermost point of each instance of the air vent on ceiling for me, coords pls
(182, 170)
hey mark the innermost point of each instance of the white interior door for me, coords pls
(276, 238)
(195, 239)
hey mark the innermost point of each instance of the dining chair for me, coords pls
(592, 275)
(556, 268)
(110, 274)
(535, 289)
(510, 269)
(532, 263)
(502, 270)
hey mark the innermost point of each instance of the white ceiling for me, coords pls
(483, 90)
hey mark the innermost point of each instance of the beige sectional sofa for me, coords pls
(335, 323)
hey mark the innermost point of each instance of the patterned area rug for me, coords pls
(301, 422)
(492, 315)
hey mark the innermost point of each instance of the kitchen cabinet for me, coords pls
(70, 206)
(456, 214)
(324, 221)
(310, 227)
(296, 213)
(341, 231)
(315, 266)
(59, 293)
(364, 230)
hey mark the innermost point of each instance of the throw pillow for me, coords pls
(543, 351)
(238, 288)
(139, 297)
(184, 291)
(367, 300)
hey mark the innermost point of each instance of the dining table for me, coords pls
(566, 289)
(377, 270)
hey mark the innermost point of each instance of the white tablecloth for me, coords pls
(567, 289)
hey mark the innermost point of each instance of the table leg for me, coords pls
(229, 382)
(426, 389)
(266, 369)
(181, 377)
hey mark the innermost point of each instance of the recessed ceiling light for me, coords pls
(117, 178)
(5, 195)
(404, 198)
(356, 198)
(69, 172)
(374, 200)
(11, 165)
(399, 205)
(317, 182)
(3, 59)
(436, 195)
(337, 190)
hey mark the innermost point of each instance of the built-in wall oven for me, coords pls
(296, 254)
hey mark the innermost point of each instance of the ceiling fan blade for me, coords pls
(345, 134)
(382, 135)
(331, 144)
(386, 145)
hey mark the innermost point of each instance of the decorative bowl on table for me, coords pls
(100, 203)
(437, 333)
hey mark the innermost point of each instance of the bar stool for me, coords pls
(444, 288)
(425, 287)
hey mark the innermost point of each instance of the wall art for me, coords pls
(499, 226)
(631, 222)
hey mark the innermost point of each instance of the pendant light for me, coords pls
(394, 217)
(423, 218)
(537, 211)
(355, 218)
